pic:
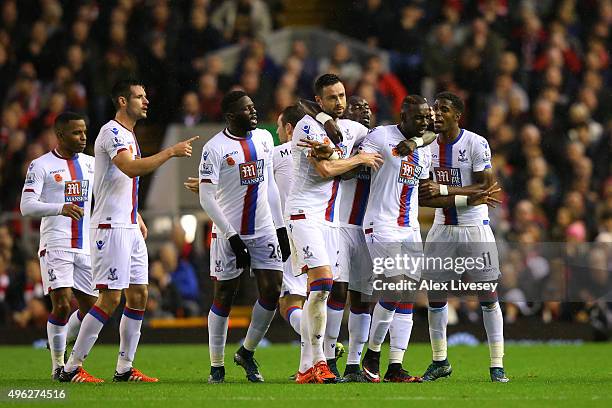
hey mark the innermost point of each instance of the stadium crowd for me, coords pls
(535, 76)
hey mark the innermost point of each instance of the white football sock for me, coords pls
(438, 320)
(294, 315)
(56, 335)
(335, 312)
(218, 318)
(262, 316)
(358, 327)
(306, 345)
(73, 326)
(399, 333)
(381, 320)
(316, 313)
(494, 326)
(129, 334)
(92, 324)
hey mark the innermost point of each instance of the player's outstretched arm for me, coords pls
(192, 184)
(485, 196)
(482, 180)
(134, 168)
(333, 168)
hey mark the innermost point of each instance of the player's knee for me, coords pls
(62, 308)
(319, 296)
(436, 305)
(339, 292)
(488, 306)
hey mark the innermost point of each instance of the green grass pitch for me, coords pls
(541, 375)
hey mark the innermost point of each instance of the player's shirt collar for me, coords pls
(453, 142)
(227, 133)
(59, 156)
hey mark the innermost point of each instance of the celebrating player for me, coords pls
(311, 209)
(238, 191)
(391, 228)
(118, 250)
(58, 189)
(293, 291)
(461, 164)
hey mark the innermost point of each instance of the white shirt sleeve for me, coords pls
(426, 162)
(208, 192)
(371, 144)
(273, 194)
(481, 154)
(210, 165)
(30, 204)
(112, 143)
(307, 129)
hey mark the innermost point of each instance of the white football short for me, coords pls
(464, 251)
(65, 269)
(265, 254)
(354, 263)
(293, 285)
(119, 258)
(313, 244)
(395, 251)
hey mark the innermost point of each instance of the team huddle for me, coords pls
(307, 219)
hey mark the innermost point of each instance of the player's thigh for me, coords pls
(359, 263)
(412, 252)
(292, 285)
(83, 275)
(384, 247)
(139, 259)
(440, 247)
(308, 250)
(345, 252)
(265, 253)
(478, 254)
(111, 258)
(222, 259)
(57, 269)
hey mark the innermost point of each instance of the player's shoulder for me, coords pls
(469, 137)
(308, 124)
(352, 124)
(217, 141)
(380, 132)
(86, 158)
(42, 161)
(285, 147)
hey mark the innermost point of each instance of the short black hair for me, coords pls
(323, 81)
(63, 119)
(456, 101)
(123, 88)
(353, 99)
(413, 100)
(229, 99)
(292, 114)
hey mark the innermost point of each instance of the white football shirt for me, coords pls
(453, 164)
(283, 170)
(115, 194)
(53, 179)
(241, 168)
(394, 195)
(312, 195)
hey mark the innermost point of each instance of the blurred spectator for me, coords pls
(169, 303)
(240, 20)
(210, 98)
(183, 277)
(190, 113)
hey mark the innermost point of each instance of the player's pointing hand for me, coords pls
(184, 149)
